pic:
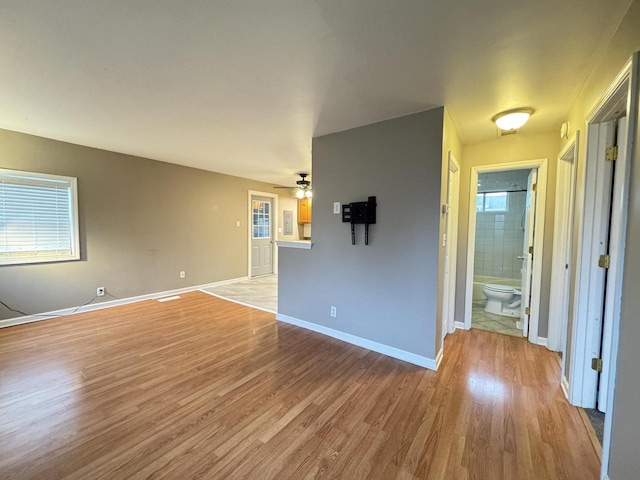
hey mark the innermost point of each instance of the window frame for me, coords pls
(261, 215)
(35, 177)
(484, 202)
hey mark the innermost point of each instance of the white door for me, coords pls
(450, 244)
(261, 236)
(611, 294)
(562, 249)
(527, 250)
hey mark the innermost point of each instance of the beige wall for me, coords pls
(509, 149)
(625, 419)
(141, 222)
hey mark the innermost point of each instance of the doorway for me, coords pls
(563, 238)
(263, 208)
(523, 274)
(601, 219)
(451, 247)
(505, 226)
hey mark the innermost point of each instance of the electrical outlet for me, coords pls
(100, 291)
(336, 207)
(183, 274)
(334, 312)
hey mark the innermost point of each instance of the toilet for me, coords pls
(502, 300)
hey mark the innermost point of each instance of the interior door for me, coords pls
(527, 253)
(261, 236)
(450, 244)
(565, 204)
(611, 293)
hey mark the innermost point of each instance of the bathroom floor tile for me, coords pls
(493, 323)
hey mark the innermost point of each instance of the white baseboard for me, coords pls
(459, 325)
(112, 303)
(564, 384)
(409, 357)
(542, 341)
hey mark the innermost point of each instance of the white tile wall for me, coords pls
(499, 236)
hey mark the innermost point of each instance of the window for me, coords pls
(38, 218)
(261, 219)
(492, 202)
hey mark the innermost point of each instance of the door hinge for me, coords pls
(534, 187)
(596, 364)
(531, 250)
(527, 311)
(604, 261)
(611, 154)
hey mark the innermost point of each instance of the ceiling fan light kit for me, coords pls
(512, 119)
(303, 187)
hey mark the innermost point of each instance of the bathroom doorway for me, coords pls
(503, 210)
(504, 258)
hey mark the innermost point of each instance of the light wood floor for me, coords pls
(204, 388)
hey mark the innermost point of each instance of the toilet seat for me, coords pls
(499, 288)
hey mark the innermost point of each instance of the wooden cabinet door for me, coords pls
(304, 210)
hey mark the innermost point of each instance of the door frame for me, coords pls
(562, 248)
(585, 336)
(626, 84)
(538, 241)
(275, 215)
(451, 246)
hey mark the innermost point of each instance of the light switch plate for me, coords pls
(336, 207)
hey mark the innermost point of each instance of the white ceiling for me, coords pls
(241, 87)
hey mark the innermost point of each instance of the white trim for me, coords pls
(564, 384)
(29, 178)
(605, 477)
(304, 244)
(600, 109)
(541, 165)
(274, 228)
(451, 246)
(633, 100)
(439, 357)
(460, 325)
(244, 304)
(9, 322)
(409, 357)
(589, 278)
(562, 245)
(542, 341)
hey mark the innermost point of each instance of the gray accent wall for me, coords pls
(385, 292)
(141, 222)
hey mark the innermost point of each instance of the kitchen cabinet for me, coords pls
(304, 210)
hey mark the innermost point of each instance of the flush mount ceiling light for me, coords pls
(512, 119)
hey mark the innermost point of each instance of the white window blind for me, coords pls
(38, 218)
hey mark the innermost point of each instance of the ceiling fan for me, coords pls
(303, 186)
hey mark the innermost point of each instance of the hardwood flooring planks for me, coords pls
(201, 388)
